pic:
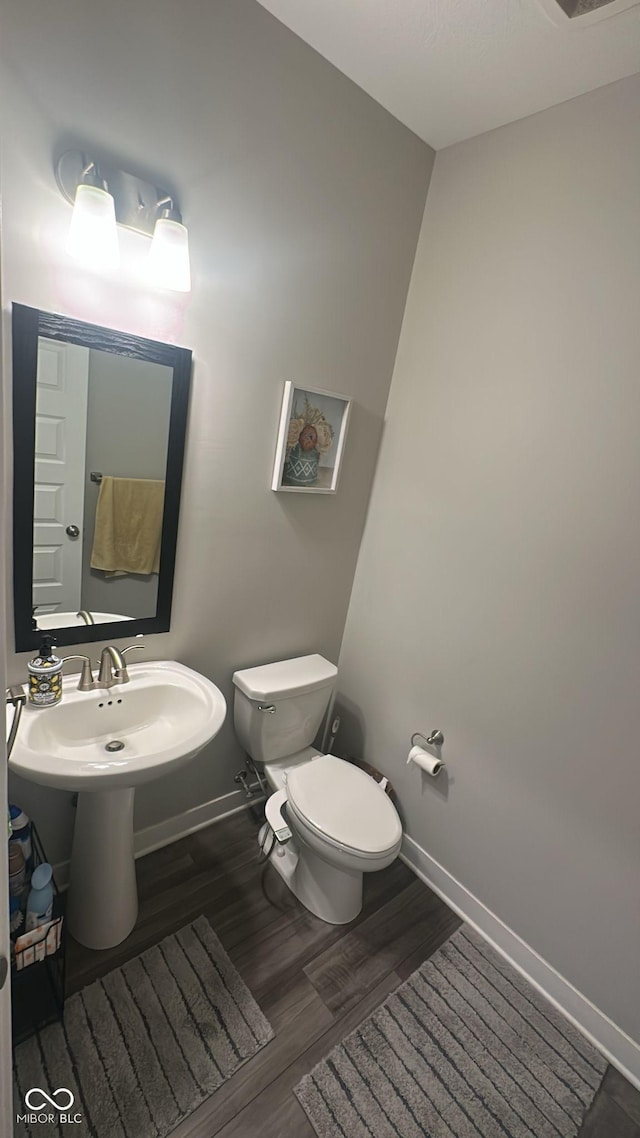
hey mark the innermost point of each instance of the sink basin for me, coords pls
(103, 744)
(163, 717)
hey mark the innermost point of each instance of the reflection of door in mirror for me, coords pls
(61, 427)
(100, 417)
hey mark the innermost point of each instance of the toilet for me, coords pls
(331, 821)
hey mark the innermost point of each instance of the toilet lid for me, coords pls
(344, 803)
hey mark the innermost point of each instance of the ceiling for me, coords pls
(451, 69)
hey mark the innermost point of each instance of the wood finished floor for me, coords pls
(314, 982)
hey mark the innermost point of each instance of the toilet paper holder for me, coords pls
(435, 739)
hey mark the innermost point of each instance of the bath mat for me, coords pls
(465, 1048)
(140, 1049)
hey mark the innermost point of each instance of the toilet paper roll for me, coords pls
(425, 761)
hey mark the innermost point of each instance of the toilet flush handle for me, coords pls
(268, 707)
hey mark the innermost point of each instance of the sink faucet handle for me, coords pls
(86, 678)
(133, 648)
(122, 674)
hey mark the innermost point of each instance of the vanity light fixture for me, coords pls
(97, 189)
(168, 264)
(92, 237)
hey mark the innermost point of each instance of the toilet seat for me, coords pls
(344, 806)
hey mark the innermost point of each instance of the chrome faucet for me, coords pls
(113, 668)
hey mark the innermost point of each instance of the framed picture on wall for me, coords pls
(311, 438)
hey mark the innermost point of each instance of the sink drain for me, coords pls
(115, 745)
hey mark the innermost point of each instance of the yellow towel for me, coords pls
(128, 525)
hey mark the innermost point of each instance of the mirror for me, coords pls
(99, 425)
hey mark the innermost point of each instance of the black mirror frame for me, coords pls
(27, 325)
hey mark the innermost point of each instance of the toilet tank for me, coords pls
(293, 696)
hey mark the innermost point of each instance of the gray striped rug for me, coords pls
(464, 1049)
(143, 1047)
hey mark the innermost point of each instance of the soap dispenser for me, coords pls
(45, 675)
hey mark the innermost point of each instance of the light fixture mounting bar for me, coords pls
(136, 201)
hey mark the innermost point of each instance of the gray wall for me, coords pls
(304, 200)
(497, 592)
(127, 435)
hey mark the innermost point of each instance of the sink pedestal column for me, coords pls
(102, 905)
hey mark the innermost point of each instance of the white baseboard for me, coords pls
(621, 1051)
(172, 829)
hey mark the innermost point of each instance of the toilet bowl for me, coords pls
(343, 825)
(334, 822)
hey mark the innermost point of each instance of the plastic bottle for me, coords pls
(20, 830)
(17, 870)
(45, 675)
(40, 900)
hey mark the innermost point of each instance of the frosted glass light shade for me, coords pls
(93, 238)
(168, 264)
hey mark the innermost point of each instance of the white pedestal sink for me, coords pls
(102, 906)
(161, 718)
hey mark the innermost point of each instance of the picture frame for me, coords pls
(311, 440)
